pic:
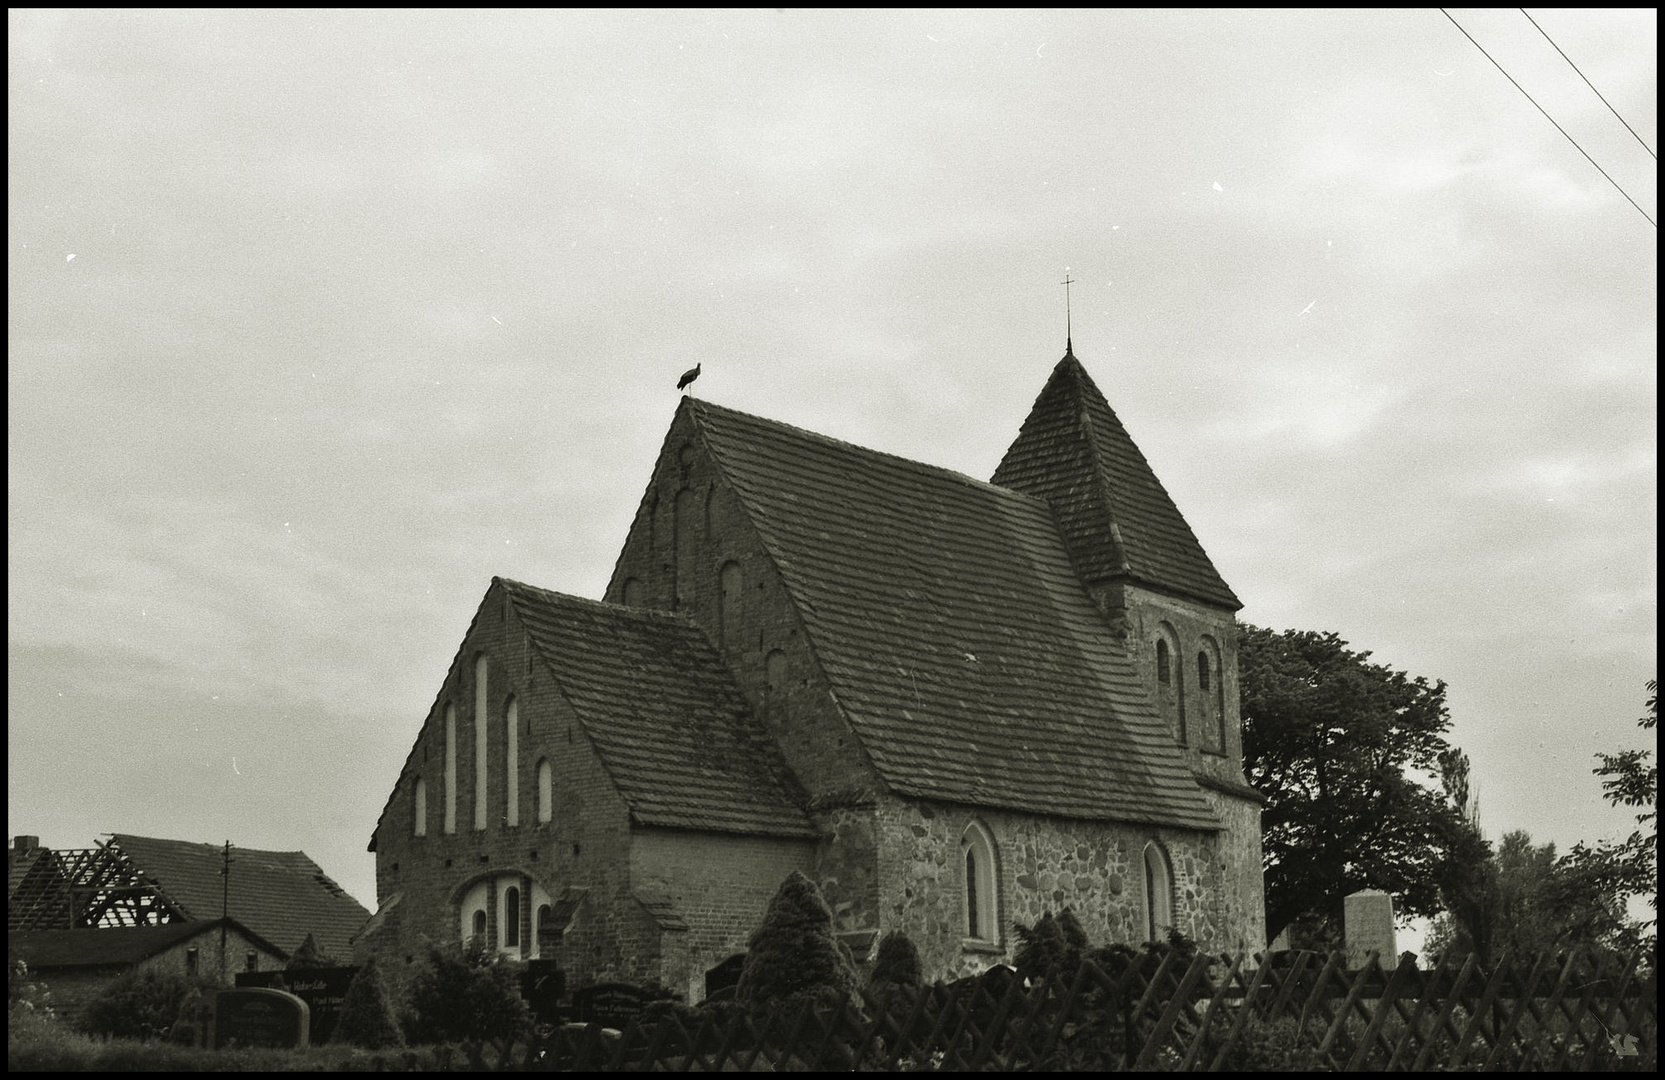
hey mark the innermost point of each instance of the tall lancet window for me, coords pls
(979, 884)
(546, 792)
(481, 727)
(1211, 699)
(729, 582)
(1159, 893)
(419, 808)
(1170, 682)
(450, 768)
(511, 763)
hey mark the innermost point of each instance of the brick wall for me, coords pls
(719, 884)
(674, 561)
(586, 843)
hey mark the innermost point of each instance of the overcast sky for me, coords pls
(318, 320)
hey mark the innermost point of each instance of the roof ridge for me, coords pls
(601, 606)
(942, 470)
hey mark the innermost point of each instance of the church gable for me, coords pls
(952, 629)
(663, 713)
(1117, 519)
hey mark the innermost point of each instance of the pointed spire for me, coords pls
(1117, 519)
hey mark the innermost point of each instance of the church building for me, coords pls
(955, 705)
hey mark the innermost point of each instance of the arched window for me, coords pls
(1211, 699)
(1159, 893)
(479, 924)
(684, 510)
(546, 792)
(1170, 682)
(979, 881)
(450, 768)
(541, 927)
(511, 763)
(480, 741)
(419, 807)
(729, 580)
(511, 917)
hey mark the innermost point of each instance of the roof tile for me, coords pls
(954, 630)
(664, 713)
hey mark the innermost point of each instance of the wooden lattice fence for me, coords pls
(1161, 1011)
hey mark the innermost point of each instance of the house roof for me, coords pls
(108, 947)
(1116, 517)
(954, 629)
(664, 714)
(280, 895)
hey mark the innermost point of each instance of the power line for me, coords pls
(1590, 84)
(1550, 118)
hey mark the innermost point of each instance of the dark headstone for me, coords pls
(253, 1016)
(725, 976)
(323, 989)
(614, 1005)
(542, 985)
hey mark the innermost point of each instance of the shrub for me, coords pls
(24, 994)
(794, 951)
(368, 1018)
(140, 1005)
(1052, 948)
(896, 963)
(309, 955)
(466, 993)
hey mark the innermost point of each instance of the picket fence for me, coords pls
(1160, 1011)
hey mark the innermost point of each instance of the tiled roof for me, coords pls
(280, 895)
(1117, 519)
(664, 713)
(112, 946)
(956, 635)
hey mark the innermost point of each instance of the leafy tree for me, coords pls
(368, 1018)
(794, 950)
(466, 993)
(1630, 867)
(1330, 740)
(1532, 903)
(1469, 879)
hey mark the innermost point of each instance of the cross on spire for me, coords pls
(1068, 348)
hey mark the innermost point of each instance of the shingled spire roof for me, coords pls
(1118, 521)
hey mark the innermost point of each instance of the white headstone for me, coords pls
(1368, 917)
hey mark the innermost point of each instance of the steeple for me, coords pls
(1119, 523)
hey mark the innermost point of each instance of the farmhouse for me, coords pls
(953, 704)
(81, 917)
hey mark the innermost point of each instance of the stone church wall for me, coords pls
(1043, 864)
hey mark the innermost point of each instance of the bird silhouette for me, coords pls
(688, 376)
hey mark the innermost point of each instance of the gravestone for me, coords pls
(614, 1005)
(1368, 924)
(255, 1016)
(542, 986)
(725, 976)
(323, 989)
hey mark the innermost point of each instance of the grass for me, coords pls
(35, 1043)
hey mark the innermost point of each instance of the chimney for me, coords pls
(24, 844)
